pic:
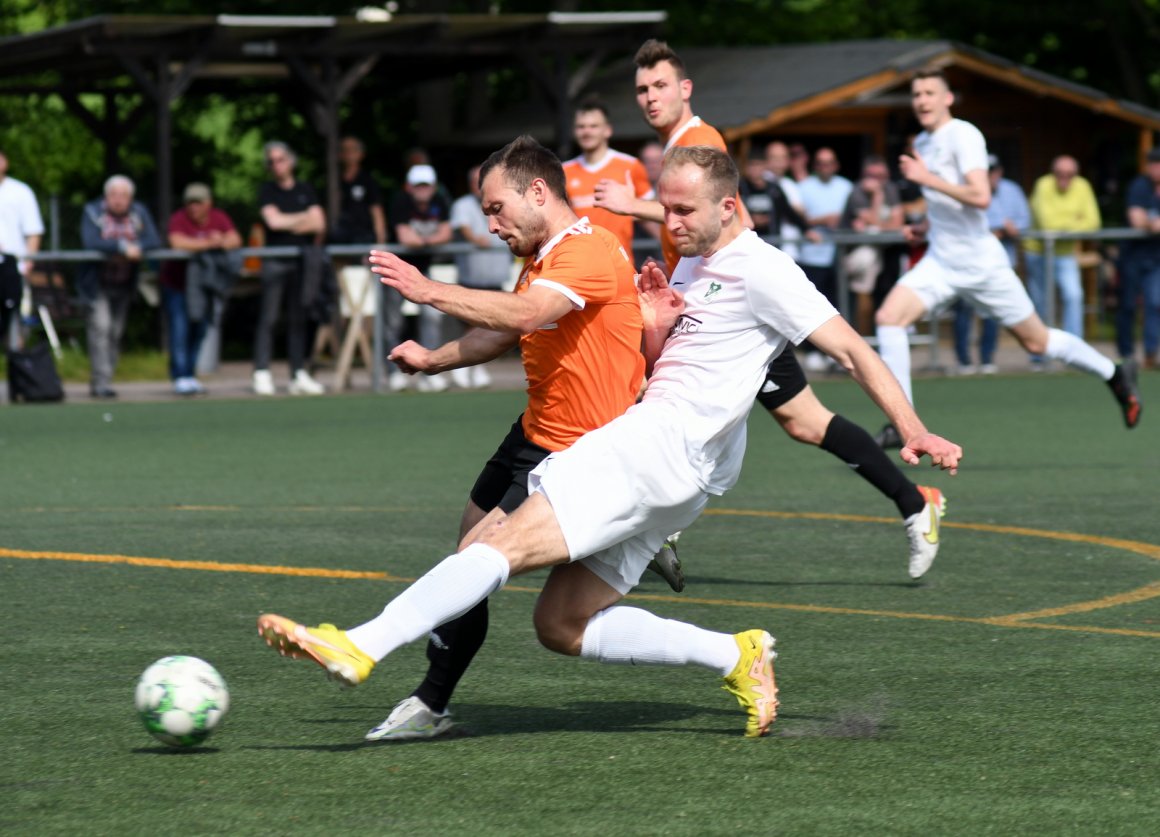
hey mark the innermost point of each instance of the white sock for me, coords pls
(631, 636)
(449, 589)
(1075, 352)
(894, 347)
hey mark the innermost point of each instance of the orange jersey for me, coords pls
(585, 369)
(582, 179)
(693, 132)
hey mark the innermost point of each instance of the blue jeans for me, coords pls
(1068, 284)
(988, 335)
(1139, 277)
(184, 337)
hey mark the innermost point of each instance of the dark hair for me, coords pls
(932, 73)
(523, 160)
(720, 171)
(653, 52)
(590, 103)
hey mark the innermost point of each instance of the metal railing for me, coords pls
(844, 241)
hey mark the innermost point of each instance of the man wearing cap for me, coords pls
(1140, 266)
(420, 218)
(199, 227)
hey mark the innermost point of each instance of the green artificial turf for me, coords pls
(907, 708)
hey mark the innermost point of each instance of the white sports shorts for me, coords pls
(620, 490)
(992, 291)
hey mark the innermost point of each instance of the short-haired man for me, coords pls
(293, 217)
(21, 228)
(965, 260)
(575, 317)
(1140, 265)
(1062, 200)
(123, 229)
(664, 92)
(599, 510)
(597, 161)
(207, 233)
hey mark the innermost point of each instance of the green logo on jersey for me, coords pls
(714, 289)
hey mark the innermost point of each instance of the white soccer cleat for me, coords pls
(922, 530)
(409, 720)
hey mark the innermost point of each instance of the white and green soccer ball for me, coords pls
(181, 700)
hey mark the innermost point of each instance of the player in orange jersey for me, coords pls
(597, 162)
(576, 319)
(664, 92)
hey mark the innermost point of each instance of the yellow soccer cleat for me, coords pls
(325, 645)
(752, 681)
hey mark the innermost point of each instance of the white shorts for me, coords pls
(992, 291)
(619, 491)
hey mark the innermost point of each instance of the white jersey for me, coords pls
(960, 236)
(742, 305)
(19, 217)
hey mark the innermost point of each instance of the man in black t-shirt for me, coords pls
(360, 216)
(420, 218)
(292, 216)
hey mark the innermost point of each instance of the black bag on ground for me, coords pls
(32, 376)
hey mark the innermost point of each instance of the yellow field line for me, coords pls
(1013, 620)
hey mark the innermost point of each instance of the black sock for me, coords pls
(856, 448)
(461, 640)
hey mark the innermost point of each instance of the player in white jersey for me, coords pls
(599, 510)
(966, 261)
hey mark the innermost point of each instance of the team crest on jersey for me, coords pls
(714, 289)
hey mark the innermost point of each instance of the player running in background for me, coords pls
(599, 510)
(664, 92)
(966, 261)
(597, 161)
(576, 319)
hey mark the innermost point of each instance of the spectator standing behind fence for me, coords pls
(874, 206)
(293, 217)
(824, 196)
(1140, 266)
(123, 230)
(788, 222)
(1008, 216)
(652, 157)
(360, 215)
(21, 228)
(755, 192)
(207, 233)
(799, 162)
(487, 267)
(420, 219)
(1062, 201)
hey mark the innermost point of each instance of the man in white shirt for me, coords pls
(21, 228)
(824, 195)
(966, 261)
(599, 510)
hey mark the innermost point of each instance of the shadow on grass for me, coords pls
(165, 750)
(481, 720)
(695, 580)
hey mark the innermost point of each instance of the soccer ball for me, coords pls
(181, 699)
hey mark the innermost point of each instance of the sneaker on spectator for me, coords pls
(397, 382)
(816, 362)
(432, 383)
(461, 377)
(967, 369)
(480, 377)
(263, 382)
(303, 384)
(989, 369)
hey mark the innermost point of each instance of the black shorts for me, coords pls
(783, 380)
(503, 482)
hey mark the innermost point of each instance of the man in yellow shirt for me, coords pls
(1061, 201)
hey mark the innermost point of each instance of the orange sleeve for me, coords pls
(570, 264)
(703, 135)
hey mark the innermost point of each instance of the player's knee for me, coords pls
(557, 633)
(801, 431)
